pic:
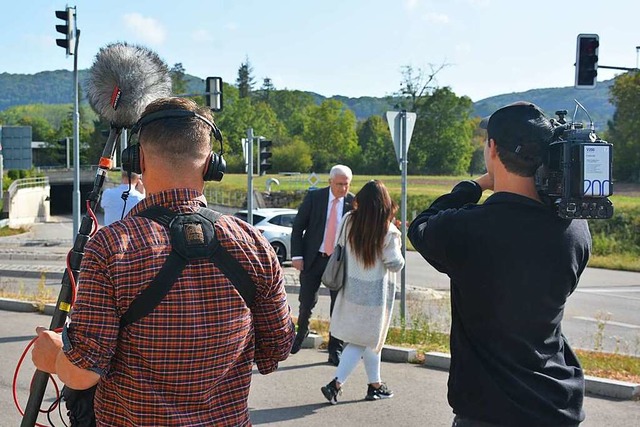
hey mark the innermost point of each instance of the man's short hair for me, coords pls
(522, 134)
(340, 170)
(177, 136)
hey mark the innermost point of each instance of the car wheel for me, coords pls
(281, 251)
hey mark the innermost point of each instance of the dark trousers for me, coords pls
(310, 281)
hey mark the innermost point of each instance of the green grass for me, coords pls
(6, 231)
(608, 365)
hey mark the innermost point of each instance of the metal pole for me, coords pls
(1, 174)
(66, 140)
(403, 215)
(250, 176)
(637, 52)
(76, 144)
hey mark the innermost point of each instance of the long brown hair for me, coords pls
(373, 209)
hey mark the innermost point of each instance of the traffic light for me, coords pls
(587, 61)
(265, 155)
(213, 95)
(69, 29)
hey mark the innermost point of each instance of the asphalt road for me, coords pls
(603, 313)
(291, 396)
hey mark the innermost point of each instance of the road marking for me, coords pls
(607, 322)
(612, 291)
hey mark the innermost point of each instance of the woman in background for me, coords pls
(363, 308)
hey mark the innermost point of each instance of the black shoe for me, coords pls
(331, 391)
(297, 342)
(334, 358)
(381, 392)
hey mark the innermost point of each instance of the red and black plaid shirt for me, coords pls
(189, 362)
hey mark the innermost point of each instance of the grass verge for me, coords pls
(6, 231)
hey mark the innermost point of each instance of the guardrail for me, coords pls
(41, 181)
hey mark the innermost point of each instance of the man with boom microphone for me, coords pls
(512, 262)
(187, 362)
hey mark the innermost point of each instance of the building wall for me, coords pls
(16, 147)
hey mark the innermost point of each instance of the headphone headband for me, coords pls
(176, 114)
(216, 165)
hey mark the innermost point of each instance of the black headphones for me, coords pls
(131, 155)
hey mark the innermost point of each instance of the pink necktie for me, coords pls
(332, 224)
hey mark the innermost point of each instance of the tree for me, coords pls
(441, 142)
(292, 156)
(291, 107)
(266, 90)
(377, 152)
(178, 81)
(245, 79)
(416, 84)
(625, 127)
(330, 131)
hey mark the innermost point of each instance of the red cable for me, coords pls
(72, 282)
(15, 383)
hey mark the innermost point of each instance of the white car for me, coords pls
(275, 224)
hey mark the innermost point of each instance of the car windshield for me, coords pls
(285, 220)
(243, 216)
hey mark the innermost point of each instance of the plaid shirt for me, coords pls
(189, 362)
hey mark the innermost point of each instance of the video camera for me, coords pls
(576, 172)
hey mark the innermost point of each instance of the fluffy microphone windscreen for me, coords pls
(123, 80)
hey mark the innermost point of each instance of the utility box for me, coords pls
(15, 143)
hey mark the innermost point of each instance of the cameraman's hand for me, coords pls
(485, 182)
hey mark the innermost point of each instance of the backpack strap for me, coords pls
(192, 237)
(230, 266)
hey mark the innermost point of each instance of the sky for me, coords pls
(338, 47)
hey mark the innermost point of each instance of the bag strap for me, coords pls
(178, 259)
(342, 238)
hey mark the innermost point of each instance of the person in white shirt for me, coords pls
(113, 199)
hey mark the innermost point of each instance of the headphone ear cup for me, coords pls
(131, 159)
(215, 168)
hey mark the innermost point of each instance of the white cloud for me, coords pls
(463, 48)
(411, 4)
(480, 3)
(202, 36)
(437, 18)
(231, 26)
(148, 29)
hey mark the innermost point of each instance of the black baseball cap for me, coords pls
(521, 127)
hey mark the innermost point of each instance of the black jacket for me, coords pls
(308, 227)
(512, 262)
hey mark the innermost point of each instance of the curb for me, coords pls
(593, 385)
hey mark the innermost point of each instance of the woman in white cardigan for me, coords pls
(363, 308)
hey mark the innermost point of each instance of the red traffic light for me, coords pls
(587, 61)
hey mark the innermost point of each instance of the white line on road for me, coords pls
(607, 322)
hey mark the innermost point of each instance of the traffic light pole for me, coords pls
(618, 68)
(76, 142)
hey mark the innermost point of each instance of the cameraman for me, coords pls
(512, 262)
(188, 362)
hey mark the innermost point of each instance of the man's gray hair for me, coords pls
(340, 170)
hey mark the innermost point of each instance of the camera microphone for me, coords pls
(123, 80)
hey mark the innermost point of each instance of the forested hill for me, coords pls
(56, 87)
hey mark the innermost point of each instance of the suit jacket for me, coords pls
(308, 227)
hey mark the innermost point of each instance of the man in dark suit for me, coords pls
(311, 246)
